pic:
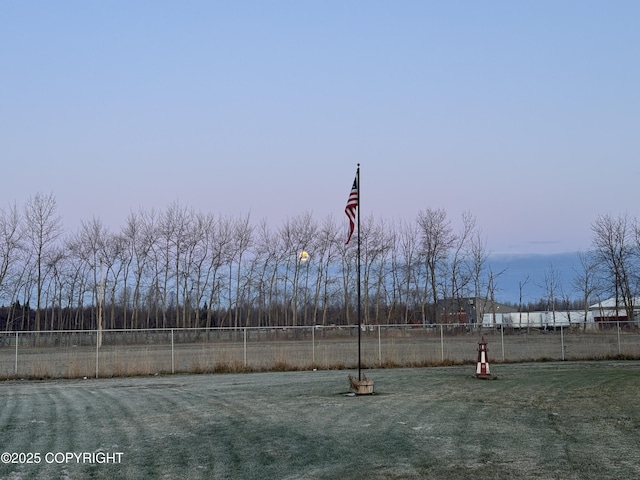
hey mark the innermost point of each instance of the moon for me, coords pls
(303, 257)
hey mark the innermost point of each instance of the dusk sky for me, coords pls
(524, 113)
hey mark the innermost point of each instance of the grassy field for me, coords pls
(565, 420)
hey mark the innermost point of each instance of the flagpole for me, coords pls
(359, 293)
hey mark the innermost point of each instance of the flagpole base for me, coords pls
(364, 386)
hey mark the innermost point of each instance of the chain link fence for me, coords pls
(109, 353)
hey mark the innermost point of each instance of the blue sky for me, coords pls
(525, 114)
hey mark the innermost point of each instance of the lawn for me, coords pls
(565, 420)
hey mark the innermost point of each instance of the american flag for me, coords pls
(352, 205)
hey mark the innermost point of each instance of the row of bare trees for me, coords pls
(609, 271)
(615, 261)
(183, 268)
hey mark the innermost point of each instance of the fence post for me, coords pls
(619, 345)
(245, 346)
(441, 344)
(173, 362)
(562, 340)
(16, 368)
(97, 351)
(379, 347)
(502, 339)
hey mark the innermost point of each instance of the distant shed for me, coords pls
(543, 320)
(613, 310)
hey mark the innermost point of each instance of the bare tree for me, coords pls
(266, 252)
(89, 246)
(373, 249)
(297, 235)
(393, 289)
(264, 255)
(54, 264)
(349, 277)
(198, 255)
(73, 277)
(325, 249)
(479, 258)
(140, 234)
(521, 285)
(437, 240)
(409, 270)
(461, 264)
(382, 273)
(23, 288)
(191, 266)
(490, 303)
(584, 280)
(42, 228)
(613, 247)
(636, 256)
(221, 239)
(174, 228)
(114, 256)
(552, 285)
(241, 243)
(10, 244)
